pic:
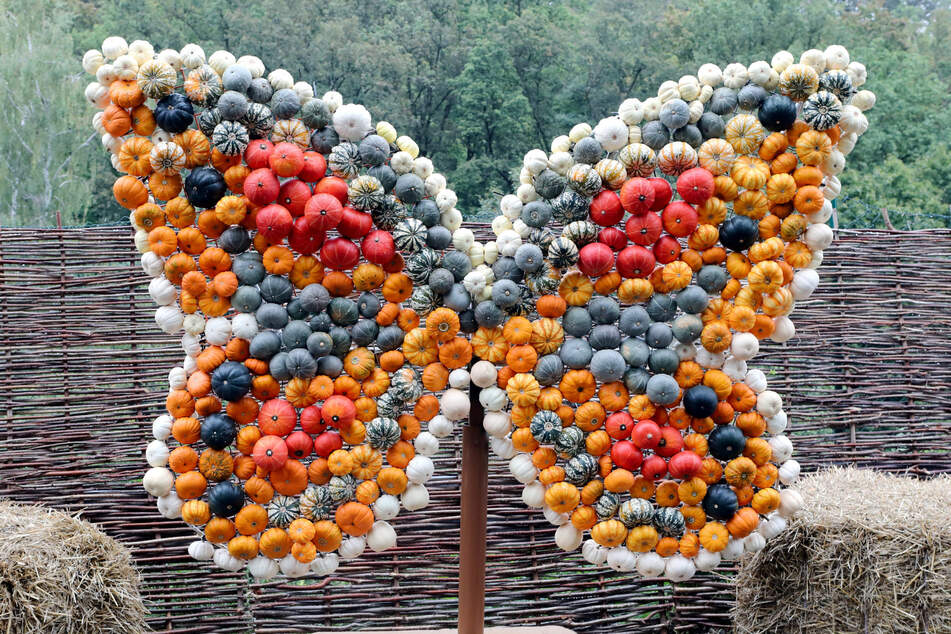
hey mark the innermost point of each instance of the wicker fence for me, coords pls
(84, 369)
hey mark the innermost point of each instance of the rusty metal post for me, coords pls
(472, 535)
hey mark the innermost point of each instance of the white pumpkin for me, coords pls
(631, 112)
(114, 46)
(689, 88)
(193, 324)
(474, 281)
(706, 560)
(522, 468)
(568, 538)
(263, 567)
(790, 502)
(579, 131)
(620, 559)
(218, 331)
(555, 518)
(152, 264)
(734, 549)
(754, 542)
(221, 60)
(386, 507)
(292, 568)
(560, 144)
(651, 565)
(759, 72)
(156, 453)
(593, 552)
(756, 380)
(224, 559)
(476, 254)
(158, 481)
(422, 167)
(814, 58)
(837, 57)
(189, 364)
(459, 378)
(804, 283)
(352, 547)
(685, 351)
(493, 399)
(611, 133)
(745, 346)
(244, 326)
(735, 76)
(490, 252)
(816, 260)
(451, 219)
(162, 427)
(420, 469)
(782, 60)
(769, 403)
(526, 193)
(426, 444)
(777, 424)
(502, 447)
(782, 447)
(735, 368)
(710, 75)
(446, 200)
(858, 73)
(784, 330)
(497, 424)
(177, 378)
(533, 494)
(484, 374)
(435, 183)
(171, 57)
(522, 229)
(381, 537)
(772, 526)
(170, 505)
(561, 162)
(535, 161)
(401, 162)
(679, 568)
(191, 344)
(141, 238)
(651, 108)
(200, 550)
(831, 187)
(818, 237)
(169, 319)
(454, 404)
(789, 472)
(440, 426)
(668, 91)
(864, 100)
(325, 564)
(126, 67)
(508, 240)
(193, 56)
(415, 497)
(709, 359)
(463, 239)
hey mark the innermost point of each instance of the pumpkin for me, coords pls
(609, 533)
(251, 519)
(714, 537)
(455, 353)
(488, 344)
(577, 386)
(354, 518)
(327, 536)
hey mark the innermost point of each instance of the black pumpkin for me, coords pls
(777, 113)
(700, 401)
(726, 442)
(368, 304)
(739, 233)
(235, 239)
(390, 338)
(467, 322)
(218, 431)
(231, 380)
(225, 499)
(720, 502)
(204, 187)
(174, 113)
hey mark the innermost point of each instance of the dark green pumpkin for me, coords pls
(700, 401)
(720, 502)
(226, 499)
(343, 311)
(218, 431)
(726, 442)
(277, 289)
(204, 187)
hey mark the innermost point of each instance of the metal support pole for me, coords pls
(472, 535)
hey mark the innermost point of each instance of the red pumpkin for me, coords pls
(293, 196)
(333, 185)
(606, 209)
(595, 259)
(270, 453)
(274, 222)
(257, 153)
(679, 218)
(671, 441)
(323, 211)
(695, 185)
(395, 265)
(662, 193)
(667, 249)
(378, 247)
(635, 261)
(644, 229)
(637, 196)
(339, 254)
(646, 434)
(613, 237)
(338, 411)
(354, 224)
(327, 443)
(286, 160)
(277, 417)
(618, 425)
(311, 421)
(315, 167)
(626, 455)
(654, 468)
(684, 465)
(261, 186)
(299, 445)
(304, 238)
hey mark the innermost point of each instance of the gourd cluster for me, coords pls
(300, 249)
(614, 353)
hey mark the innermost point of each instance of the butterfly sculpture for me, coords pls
(335, 312)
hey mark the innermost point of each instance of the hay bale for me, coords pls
(61, 574)
(869, 552)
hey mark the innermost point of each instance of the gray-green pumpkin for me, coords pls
(410, 235)
(669, 521)
(576, 353)
(549, 369)
(546, 427)
(580, 469)
(608, 366)
(282, 510)
(317, 504)
(570, 441)
(662, 389)
(687, 328)
(607, 505)
(634, 351)
(635, 512)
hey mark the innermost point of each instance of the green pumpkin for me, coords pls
(410, 235)
(580, 469)
(344, 160)
(342, 488)
(343, 311)
(389, 405)
(546, 427)
(581, 232)
(230, 138)
(365, 193)
(562, 252)
(406, 385)
(669, 521)
(316, 504)
(570, 442)
(382, 433)
(258, 120)
(607, 505)
(636, 511)
(282, 510)
(419, 265)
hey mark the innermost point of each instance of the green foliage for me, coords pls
(477, 83)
